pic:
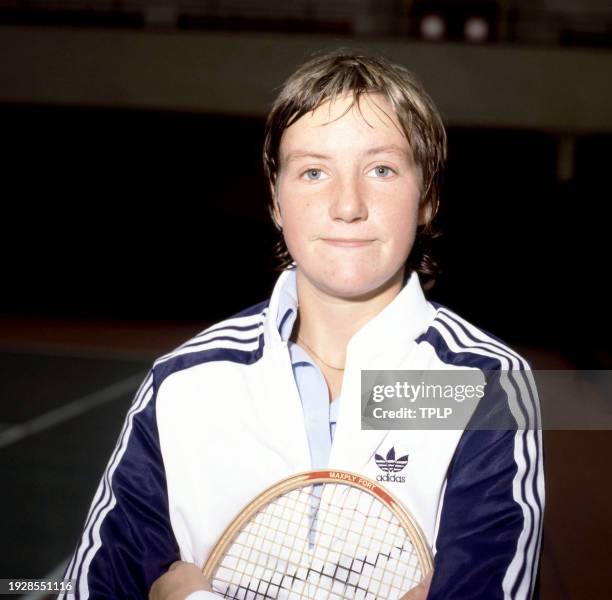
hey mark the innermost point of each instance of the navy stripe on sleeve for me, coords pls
(489, 533)
(128, 540)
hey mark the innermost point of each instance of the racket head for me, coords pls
(275, 547)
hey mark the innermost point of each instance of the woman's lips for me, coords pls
(347, 242)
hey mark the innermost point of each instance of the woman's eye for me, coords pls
(313, 174)
(382, 171)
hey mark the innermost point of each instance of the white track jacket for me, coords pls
(219, 419)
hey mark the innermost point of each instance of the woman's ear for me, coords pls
(275, 208)
(427, 211)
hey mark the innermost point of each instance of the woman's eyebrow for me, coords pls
(305, 154)
(389, 148)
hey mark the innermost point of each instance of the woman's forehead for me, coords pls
(362, 105)
(370, 119)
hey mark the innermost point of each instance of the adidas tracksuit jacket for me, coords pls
(219, 419)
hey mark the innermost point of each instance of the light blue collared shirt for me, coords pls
(320, 414)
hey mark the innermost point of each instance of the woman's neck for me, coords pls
(326, 323)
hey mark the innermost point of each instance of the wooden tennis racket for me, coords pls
(320, 534)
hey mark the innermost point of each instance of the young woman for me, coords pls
(353, 153)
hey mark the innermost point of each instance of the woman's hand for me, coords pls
(181, 579)
(420, 591)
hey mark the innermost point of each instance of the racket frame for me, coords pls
(304, 479)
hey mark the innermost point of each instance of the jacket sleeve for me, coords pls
(127, 541)
(490, 526)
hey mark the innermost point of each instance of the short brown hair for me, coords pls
(342, 71)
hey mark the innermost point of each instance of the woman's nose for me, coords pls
(348, 202)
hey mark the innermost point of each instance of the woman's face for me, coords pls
(347, 196)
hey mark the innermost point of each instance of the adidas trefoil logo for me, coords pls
(391, 465)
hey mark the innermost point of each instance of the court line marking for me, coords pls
(72, 351)
(55, 575)
(70, 410)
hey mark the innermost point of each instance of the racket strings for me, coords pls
(320, 541)
(373, 514)
(270, 543)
